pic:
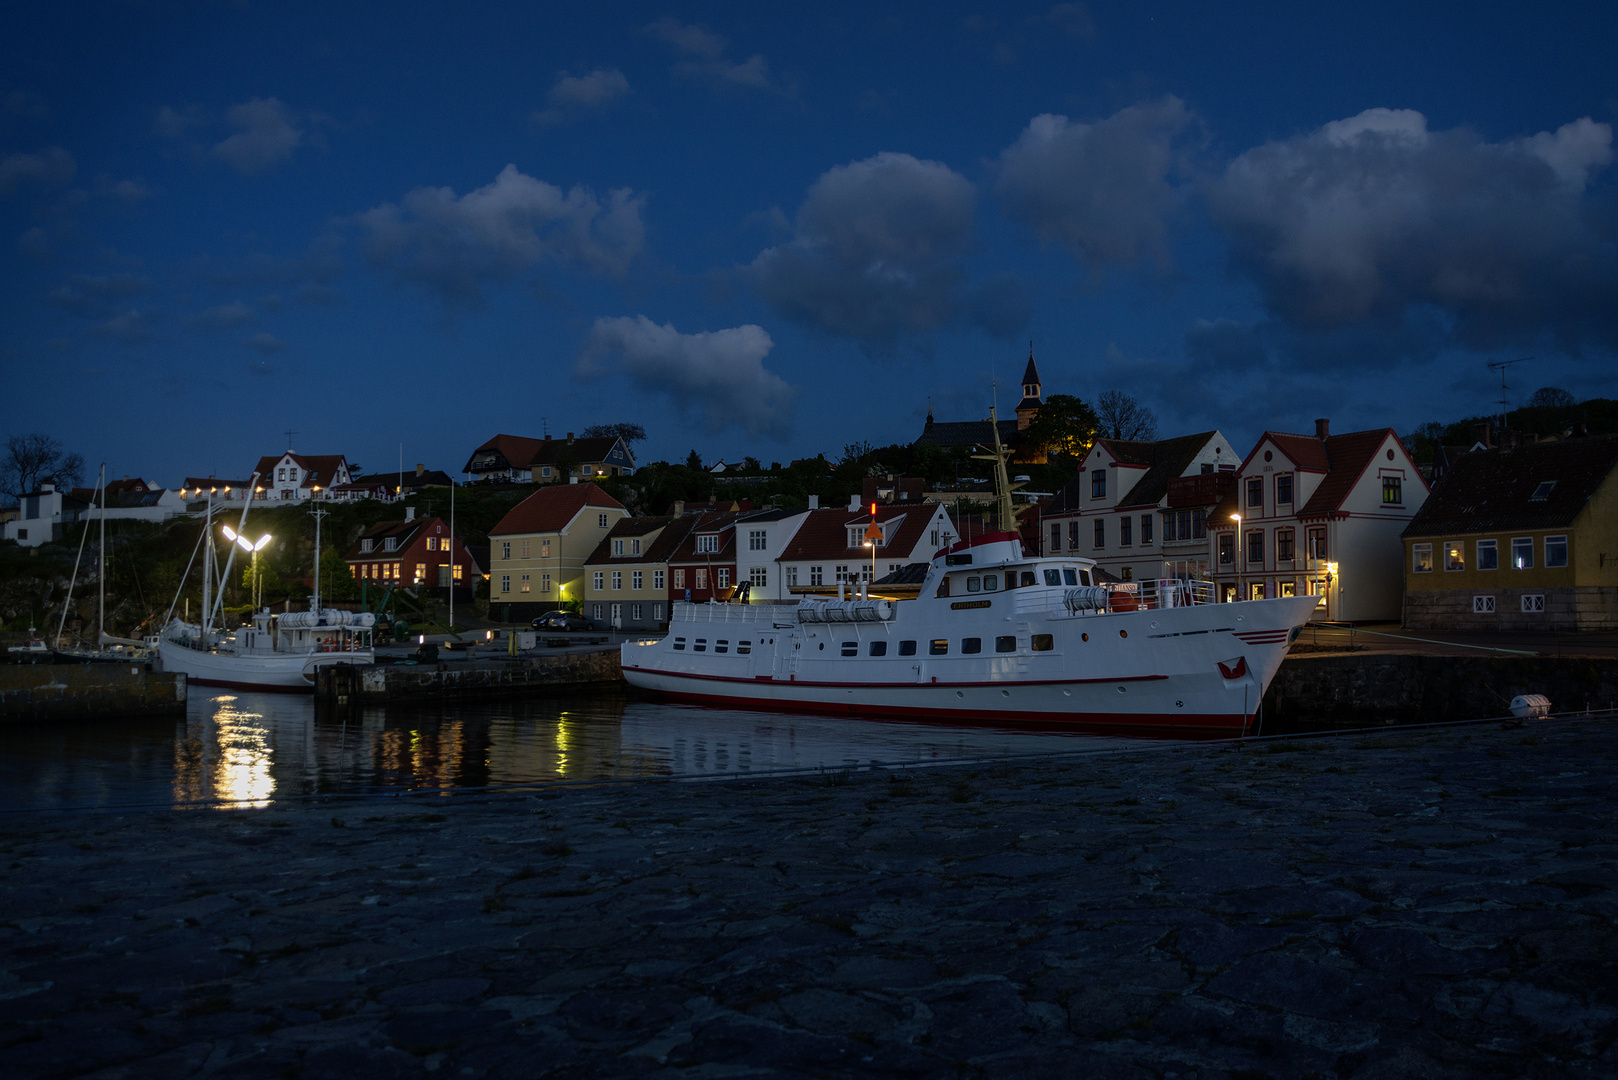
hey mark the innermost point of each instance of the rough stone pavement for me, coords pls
(1425, 903)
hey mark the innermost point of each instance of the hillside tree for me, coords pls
(34, 459)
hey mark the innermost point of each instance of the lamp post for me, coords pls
(1331, 576)
(1237, 518)
(257, 590)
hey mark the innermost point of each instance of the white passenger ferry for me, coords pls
(994, 635)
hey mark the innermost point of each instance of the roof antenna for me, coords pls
(1500, 366)
(545, 426)
(289, 440)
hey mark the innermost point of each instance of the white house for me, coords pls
(1320, 516)
(155, 504)
(42, 514)
(1118, 509)
(292, 477)
(829, 547)
(760, 538)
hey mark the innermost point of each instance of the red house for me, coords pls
(412, 553)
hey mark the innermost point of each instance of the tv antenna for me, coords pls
(290, 434)
(1500, 366)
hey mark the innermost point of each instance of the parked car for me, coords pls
(562, 620)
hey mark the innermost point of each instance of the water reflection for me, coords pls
(246, 750)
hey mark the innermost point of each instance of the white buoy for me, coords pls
(1530, 706)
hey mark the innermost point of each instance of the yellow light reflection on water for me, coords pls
(240, 774)
(563, 742)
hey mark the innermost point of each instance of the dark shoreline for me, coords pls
(1421, 901)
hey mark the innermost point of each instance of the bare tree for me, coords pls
(1551, 397)
(630, 433)
(35, 459)
(1122, 417)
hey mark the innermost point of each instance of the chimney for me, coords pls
(570, 438)
(814, 502)
(1322, 429)
(547, 436)
(410, 513)
(679, 507)
(1480, 433)
(420, 468)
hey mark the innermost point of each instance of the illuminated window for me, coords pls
(1392, 491)
(525, 584)
(702, 579)
(1421, 558)
(1455, 554)
(1522, 553)
(679, 579)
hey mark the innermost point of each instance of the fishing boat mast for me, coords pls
(1006, 513)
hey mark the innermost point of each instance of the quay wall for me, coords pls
(35, 692)
(1382, 688)
(385, 684)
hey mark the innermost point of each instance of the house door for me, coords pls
(617, 616)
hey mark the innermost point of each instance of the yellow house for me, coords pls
(537, 551)
(626, 579)
(1518, 538)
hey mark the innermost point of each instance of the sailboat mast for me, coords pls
(101, 565)
(318, 514)
(208, 557)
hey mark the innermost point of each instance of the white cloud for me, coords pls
(128, 327)
(95, 296)
(878, 251)
(717, 377)
(575, 93)
(1368, 217)
(1073, 20)
(456, 243)
(52, 165)
(264, 135)
(1101, 190)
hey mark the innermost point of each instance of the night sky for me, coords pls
(773, 230)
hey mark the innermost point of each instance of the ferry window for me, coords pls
(879, 648)
(1007, 643)
(991, 582)
(679, 643)
(907, 648)
(973, 584)
(722, 645)
(1069, 575)
(1084, 577)
(939, 646)
(1028, 578)
(744, 647)
(701, 645)
(1041, 643)
(1053, 577)
(851, 648)
(972, 645)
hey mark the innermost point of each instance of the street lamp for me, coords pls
(1237, 518)
(252, 549)
(1331, 575)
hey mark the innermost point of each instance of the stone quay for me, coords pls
(1419, 902)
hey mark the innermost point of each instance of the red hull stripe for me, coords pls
(1233, 724)
(1003, 684)
(258, 687)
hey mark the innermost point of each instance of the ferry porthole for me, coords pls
(1005, 693)
(822, 644)
(1123, 689)
(1067, 693)
(1123, 633)
(1154, 626)
(1179, 704)
(1084, 637)
(960, 694)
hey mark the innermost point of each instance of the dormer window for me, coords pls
(367, 544)
(634, 546)
(390, 543)
(1098, 483)
(708, 543)
(1543, 491)
(617, 549)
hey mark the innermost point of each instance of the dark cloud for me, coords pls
(705, 55)
(265, 135)
(265, 343)
(574, 93)
(878, 251)
(96, 296)
(1101, 190)
(52, 165)
(454, 244)
(718, 378)
(224, 317)
(1369, 219)
(1073, 20)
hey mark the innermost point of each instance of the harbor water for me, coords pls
(236, 750)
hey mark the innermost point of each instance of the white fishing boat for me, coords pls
(994, 635)
(275, 652)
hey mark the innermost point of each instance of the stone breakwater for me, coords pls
(1422, 903)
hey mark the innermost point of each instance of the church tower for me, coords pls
(1032, 399)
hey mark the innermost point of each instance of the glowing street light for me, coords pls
(1237, 518)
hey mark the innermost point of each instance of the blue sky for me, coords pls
(773, 232)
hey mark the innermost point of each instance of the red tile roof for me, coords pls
(824, 533)
(522, 452)
(1348, 457)
(319, 468)
(551, 508)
